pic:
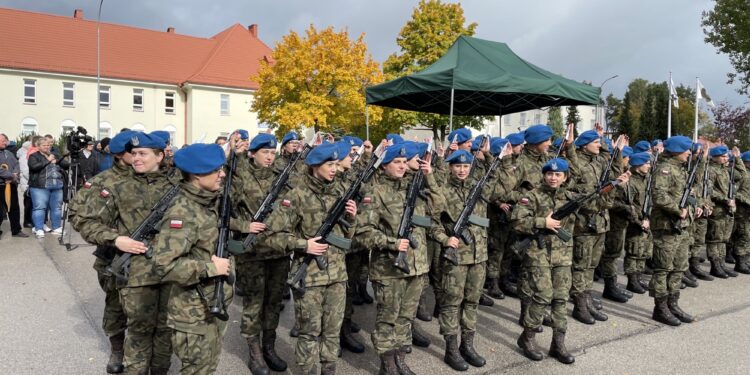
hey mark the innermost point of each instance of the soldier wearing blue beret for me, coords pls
(741, 235)
(291, 143)
(642, 146)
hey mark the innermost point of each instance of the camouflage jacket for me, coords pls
(529, 219)
(528, 173)
(718, 177)
(743, 196)
(669, 182)
(699, 186)
(585, 172)
(382, 210)
(182, 257)
(628, 201)
(299, 216)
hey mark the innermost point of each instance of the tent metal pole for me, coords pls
(367, 122)
(450, 118)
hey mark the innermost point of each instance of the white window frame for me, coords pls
(137, 93)
(105, 130)
(69, 87)
(538, 118)
(107, 90)
(29, 121)
(167, 96)
(522, 119)
(67, 126)
(29, 83)
(224, 101)
(138, 127)
(172, 130)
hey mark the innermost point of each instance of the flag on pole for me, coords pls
(673, 94)
(702, 94)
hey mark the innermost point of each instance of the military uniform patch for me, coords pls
(175, 224)
(524, 201)
(367, 200)
(87, 185)
(286, 203)
(665, 171)
(104, 193)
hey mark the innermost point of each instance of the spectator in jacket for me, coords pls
(46, 184)
(9, 178)
(23, 162)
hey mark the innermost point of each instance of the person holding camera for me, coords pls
(46, 184)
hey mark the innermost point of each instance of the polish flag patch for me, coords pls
(665, 171)
(104, 193)
(524, 201)
(175, 224)
(87, 185)
(367, 200)
(286, 203)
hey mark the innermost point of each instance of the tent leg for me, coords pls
(367, 123)
(450, 118)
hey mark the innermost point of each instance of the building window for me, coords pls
(68, 94)
(506, 120)
(67, 126)
(138, 100)
(105, 129)
(169, 102)
(538, 118)
(104, 96)
(225, 104)
(172, 132)
(593, 124)
(138, 127)
(29, 91)
(523, 119)
(28, 126)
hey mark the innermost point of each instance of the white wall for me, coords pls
(516, 122)
(205, 120)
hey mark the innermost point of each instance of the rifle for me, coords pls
(334, 216)
(521, 247)
(559, 150)
(686, 199)
(704, 192)
(217, 307)
(603, 180)
(120, 267)
(648, 202)
(461, 227)
(732, 186)
(407, 218)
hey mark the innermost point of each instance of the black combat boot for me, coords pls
(159, 371)
(581, 311)
(717, 270)
(468, 352)
(362, 289)
(355, 327)
(256, 364)
(644, 284)
(423, 313)
(597, 274)
(484, 300)
(508, 288)
(595, 313)
(418, 338)
(328, 368)
(675, 309)
(527, 343)
(400, 359)
(596, 301)
(268, 347)
(347, 339)
(728, 270)
(436, 309)
(634, 284)
(688, 282)
(696, 270)
(558, 350)
(689, 275)
(547, 320)
(741, 265)
(493, 289)
(115, 366)
(662, 314)
(356, 297)
(452, 356)
(612, 292)
(388, 363)
(286, 293)
(729, 258)
(294, 332)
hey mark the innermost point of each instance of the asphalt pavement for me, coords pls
(51, 308)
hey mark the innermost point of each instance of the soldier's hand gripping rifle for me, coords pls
(461, 226)
(217, 306)
(408, 220)
(686, 197)
(335, 216)
(120, 267)
(732, 185)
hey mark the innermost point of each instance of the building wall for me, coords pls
(205, 118)
(516, 122)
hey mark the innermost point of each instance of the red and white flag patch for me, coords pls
(286, 203)
(367, 200)
(87, 185)
(665, 171)
(175, 224)
(524, 201)
(104, 193)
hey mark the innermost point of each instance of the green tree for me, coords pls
(573, 118)
(727, 27)
(632, 106)
(613, 112)
(555, 121)
(432, 29)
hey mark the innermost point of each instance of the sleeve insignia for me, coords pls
(367, 200)
(175, 224)
(286, 203)
(87, 185)
(665, 171)
(524, 201)
(104, 193)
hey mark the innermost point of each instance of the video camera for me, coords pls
(76, 140)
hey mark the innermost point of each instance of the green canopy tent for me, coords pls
(478, 77)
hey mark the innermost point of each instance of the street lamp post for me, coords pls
(598, 116)
(98, 72)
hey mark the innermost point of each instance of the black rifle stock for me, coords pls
(405, 227)
(732, 186)
(685, 198)
(217, 306)
(648, 201)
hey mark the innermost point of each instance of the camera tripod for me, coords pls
(72, 182)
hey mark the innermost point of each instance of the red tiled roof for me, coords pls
(43, 42)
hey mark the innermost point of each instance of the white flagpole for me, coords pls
(450, 119)
(367, 123)
(669, 111)
(697, 95)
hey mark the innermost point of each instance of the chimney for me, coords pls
(170, 30)
(78, 14)
(253, 29)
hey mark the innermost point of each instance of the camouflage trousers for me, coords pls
(496, 252)
(353, 269)
(148, 341)
(549, 285)
(436, 271)
(198, 353)
(263, 282)
(741, 235)
(114, 320)
(670, 260)
(319, 313)
(718, 234)
(638, 248)
(614, 243)
(462, 287)
(397, 301)
(587, 250)
(698, 232)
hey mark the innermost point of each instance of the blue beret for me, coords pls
(557, 142)
(244, 135)
(515, 139)
(642, 146)
(555, 165)
(143, 140)
(718, 150)
(696, 147)
(639, 158)
(344, 149)
(422, 149)
(610, 146)
(199, 158)
(627, 151)
(497, 144)
(262, 140)
(586, 137)
(163, 134)
(677, 144)
(537, 134)
(477, 142)
(655, 142)
(460, 157)
(400, 150)
(745, 156)
(412, 149)
(352, 140)
(395, 138)
(323, 153)
(460, 135)
(289, 136)
(120, 141)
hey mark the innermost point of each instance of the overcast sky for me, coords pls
(580, 39)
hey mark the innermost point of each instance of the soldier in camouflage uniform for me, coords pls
(547, 264)
(319, 310)
(699, 226)
(290, 144)
(185, 259)
(721, 220)
(669, 225)
(741, 237)
(87, 204)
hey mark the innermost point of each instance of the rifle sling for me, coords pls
(479, 221)
(421, 221)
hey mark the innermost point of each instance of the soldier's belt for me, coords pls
(479, 221)
(338, 241)
(422, 221)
